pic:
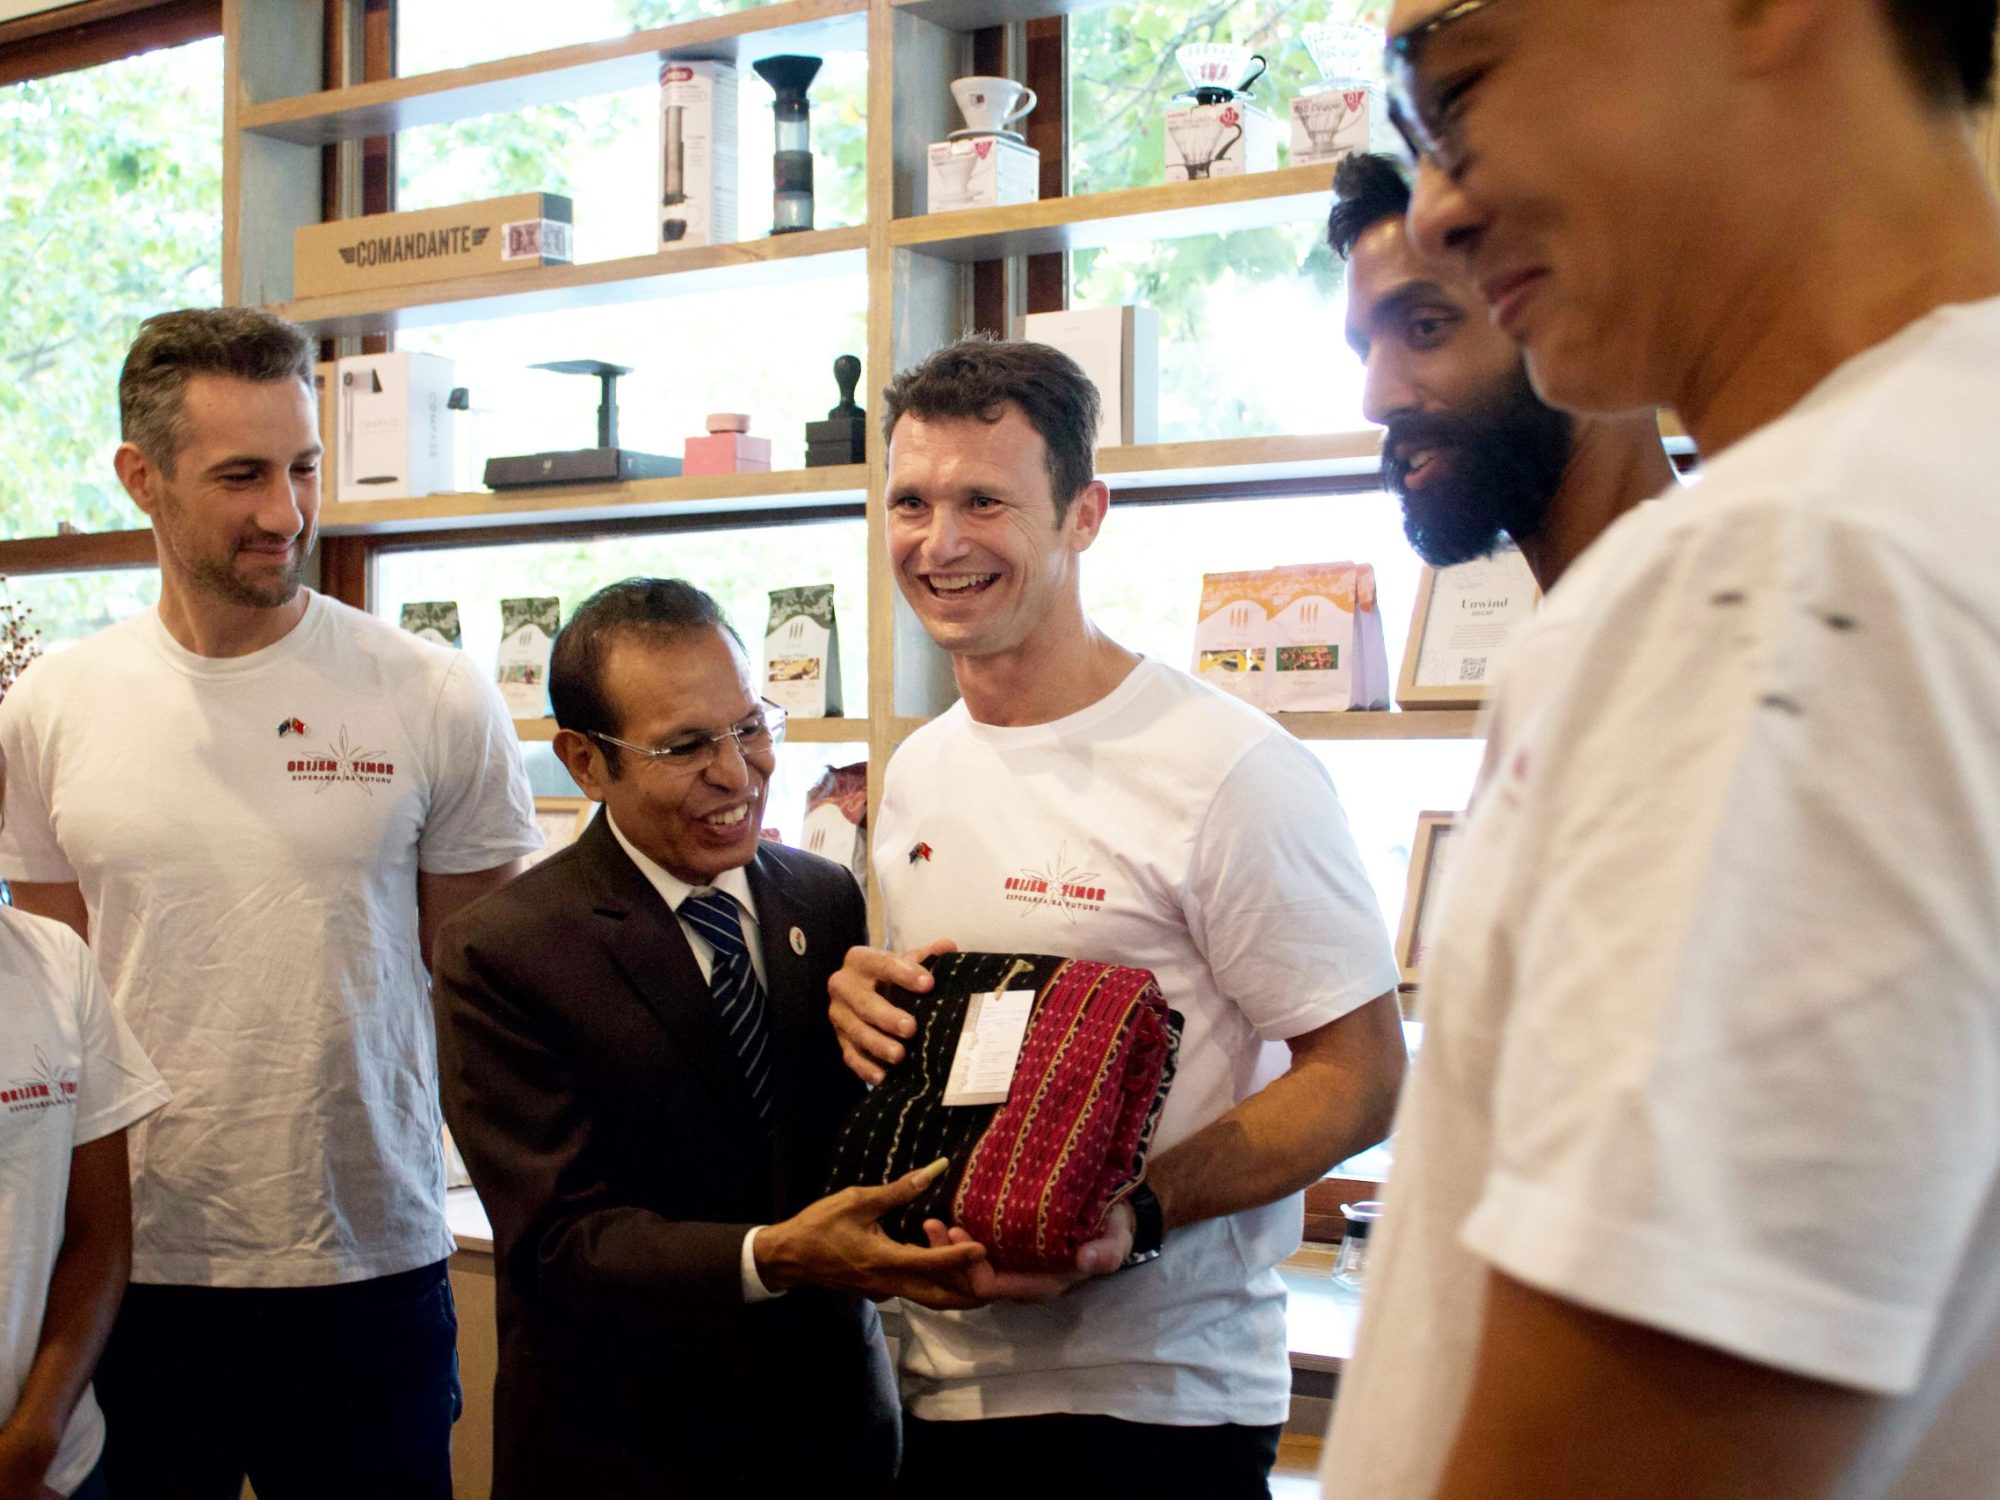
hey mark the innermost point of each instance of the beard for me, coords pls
(1494, 470)
(223, 580)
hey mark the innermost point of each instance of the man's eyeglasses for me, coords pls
(762, 730)
(1423, 117)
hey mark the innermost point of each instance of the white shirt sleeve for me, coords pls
(1277, 899)
(1749, 1085)
(117, 1084)
(481, 813)
(754, 1290)
(28, 848)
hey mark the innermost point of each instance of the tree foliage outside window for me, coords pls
(111, 201)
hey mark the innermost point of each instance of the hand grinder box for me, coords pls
(517, 233)
(697, 152)
(392, 428)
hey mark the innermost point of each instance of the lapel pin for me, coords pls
(798, 942)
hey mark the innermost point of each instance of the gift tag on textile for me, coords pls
(982, 1069)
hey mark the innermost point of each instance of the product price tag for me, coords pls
(982, 1070)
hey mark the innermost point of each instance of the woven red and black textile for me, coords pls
(1030, 1179)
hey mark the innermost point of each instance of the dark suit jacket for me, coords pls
(608, 1128)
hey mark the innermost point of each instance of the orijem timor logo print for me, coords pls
(342, 763)
(48, 1087)
(1067, 887)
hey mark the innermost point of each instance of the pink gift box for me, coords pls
(727, 453)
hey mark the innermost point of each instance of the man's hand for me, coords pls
(871, 1030)
(839, 1243)
(1097, 1257)
(24, 1460)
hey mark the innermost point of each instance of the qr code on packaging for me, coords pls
(531, 238)
(1472, 669)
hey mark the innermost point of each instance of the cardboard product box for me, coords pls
(516, 233)
(697, 192)
(836, 440)
(727, 453)
(983, 172)
(1220, 140)
(1329, 124)
(1119, 349)
(391, 426)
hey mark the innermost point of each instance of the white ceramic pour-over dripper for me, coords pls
(1218, 65)
(990, 105)
(1347, 53)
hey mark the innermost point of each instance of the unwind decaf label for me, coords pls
(434, 620)
(802, 652)
(527, 634)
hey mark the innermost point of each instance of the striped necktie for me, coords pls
(739, 999)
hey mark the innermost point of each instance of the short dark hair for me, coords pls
(653, 609)
(175, 346)
(1368, 188)
(978, 377)
(1948, 46)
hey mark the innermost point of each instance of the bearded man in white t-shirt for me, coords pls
(1157, 823)
(257, 804)
(1697, 1183)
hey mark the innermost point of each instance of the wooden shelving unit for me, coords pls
(708, 494)
(918, 270)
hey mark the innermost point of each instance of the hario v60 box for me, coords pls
(432, 244)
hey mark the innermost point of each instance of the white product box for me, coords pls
(1329, 124)
(1119, 349)
(697, 152)
(392, 431)
(982, 172)
(1219, 140)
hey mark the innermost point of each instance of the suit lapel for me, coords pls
(645, 940)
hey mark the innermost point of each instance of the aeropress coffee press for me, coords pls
(792, 161)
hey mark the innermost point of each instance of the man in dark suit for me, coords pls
(638, 1068)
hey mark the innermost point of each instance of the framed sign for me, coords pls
(561, 820)
(1460, 627)
(1430, 852)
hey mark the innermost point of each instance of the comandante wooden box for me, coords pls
(515, 233)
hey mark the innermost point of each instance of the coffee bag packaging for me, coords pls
(802, 652)
(697, 152)
(434, 620)
(1325, 638)
(527, 634)
(1231, 646)
(836, 825)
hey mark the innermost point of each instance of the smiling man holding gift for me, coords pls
(1084, 802)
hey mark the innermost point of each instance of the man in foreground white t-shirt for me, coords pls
(257, 803)
(1084, 802)
(1697, 1190)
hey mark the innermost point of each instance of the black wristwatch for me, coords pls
(1149, 1232)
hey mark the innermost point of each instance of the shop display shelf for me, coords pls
(558, 75)
(1163, 211)
(707, 494)
(1226, 462)
(1393, 724)
(798, 731)
(775, 261)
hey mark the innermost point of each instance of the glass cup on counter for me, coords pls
(1351, 1263)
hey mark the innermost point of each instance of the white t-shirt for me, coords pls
(1170, 827)
(247, 833)
(70, 1074)
(1714, 1004)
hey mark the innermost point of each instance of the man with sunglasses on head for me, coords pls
(1697, 1190)
(638, 1067)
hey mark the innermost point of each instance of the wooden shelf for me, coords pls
(778, 260)
(798, 731)
(1165, 211)
(1153, 466)
(707, 494)
(974, 15)
(1430, 724)
(559, 75)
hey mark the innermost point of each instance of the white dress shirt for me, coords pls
(673, 890)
